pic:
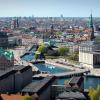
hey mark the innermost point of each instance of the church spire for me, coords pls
(91, 27)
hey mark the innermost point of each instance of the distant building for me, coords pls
(6, 59)
(14, 41)
(3, 39)
(92, 28)
(14, 24)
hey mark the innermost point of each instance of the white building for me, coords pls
(89, 54)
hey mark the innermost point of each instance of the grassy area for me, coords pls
(51, 57)
(64, 57)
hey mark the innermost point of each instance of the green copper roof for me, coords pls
(90, 22)
(8, 55)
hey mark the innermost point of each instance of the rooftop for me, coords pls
(6, 73)
(38, 87)
(9, 55)
(71, 95)
(10, 97)
(76, 80)
(21, 68)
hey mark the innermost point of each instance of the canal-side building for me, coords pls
(74, 90)
(89, 54)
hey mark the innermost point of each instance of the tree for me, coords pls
(66, 82)
(27, 98)
(42, 49)
(74, 56)
(94, 94)
(58, 34)
(36, 56)
(63, 51)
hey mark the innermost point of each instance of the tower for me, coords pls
(91, 27)
(14, 23)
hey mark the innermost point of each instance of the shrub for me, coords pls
(27, 98)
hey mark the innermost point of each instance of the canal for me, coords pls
(89, 82)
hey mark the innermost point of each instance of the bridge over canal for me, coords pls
(64, 74)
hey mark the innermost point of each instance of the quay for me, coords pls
(37, 61)
(64, 74)
(72, 73)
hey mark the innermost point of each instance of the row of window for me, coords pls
(85, 49)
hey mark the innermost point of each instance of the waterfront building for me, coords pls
(6, 59)
(89, 54)
(72, 90)
(3, 39)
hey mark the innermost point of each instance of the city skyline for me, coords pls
(49, 8)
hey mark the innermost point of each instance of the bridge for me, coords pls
(72, 73)
(64, 74)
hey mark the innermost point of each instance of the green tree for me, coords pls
(74, 56)
(66, 82)
(42, 49)
(63, 51)
(36, 56)
(94, 94)
(58, 33)
(27, 98)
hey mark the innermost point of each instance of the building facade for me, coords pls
(3, 39)
(6, 59)
(12, 81)
(89, 54)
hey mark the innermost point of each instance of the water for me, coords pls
(51, 68)
(89, 82)
(28, 56)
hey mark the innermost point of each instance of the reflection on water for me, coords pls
(89, 82)
(50, 68)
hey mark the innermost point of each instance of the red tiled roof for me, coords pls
(10, 97)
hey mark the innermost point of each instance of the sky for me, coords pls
(49, 8)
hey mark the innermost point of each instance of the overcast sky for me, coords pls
(53, 8)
